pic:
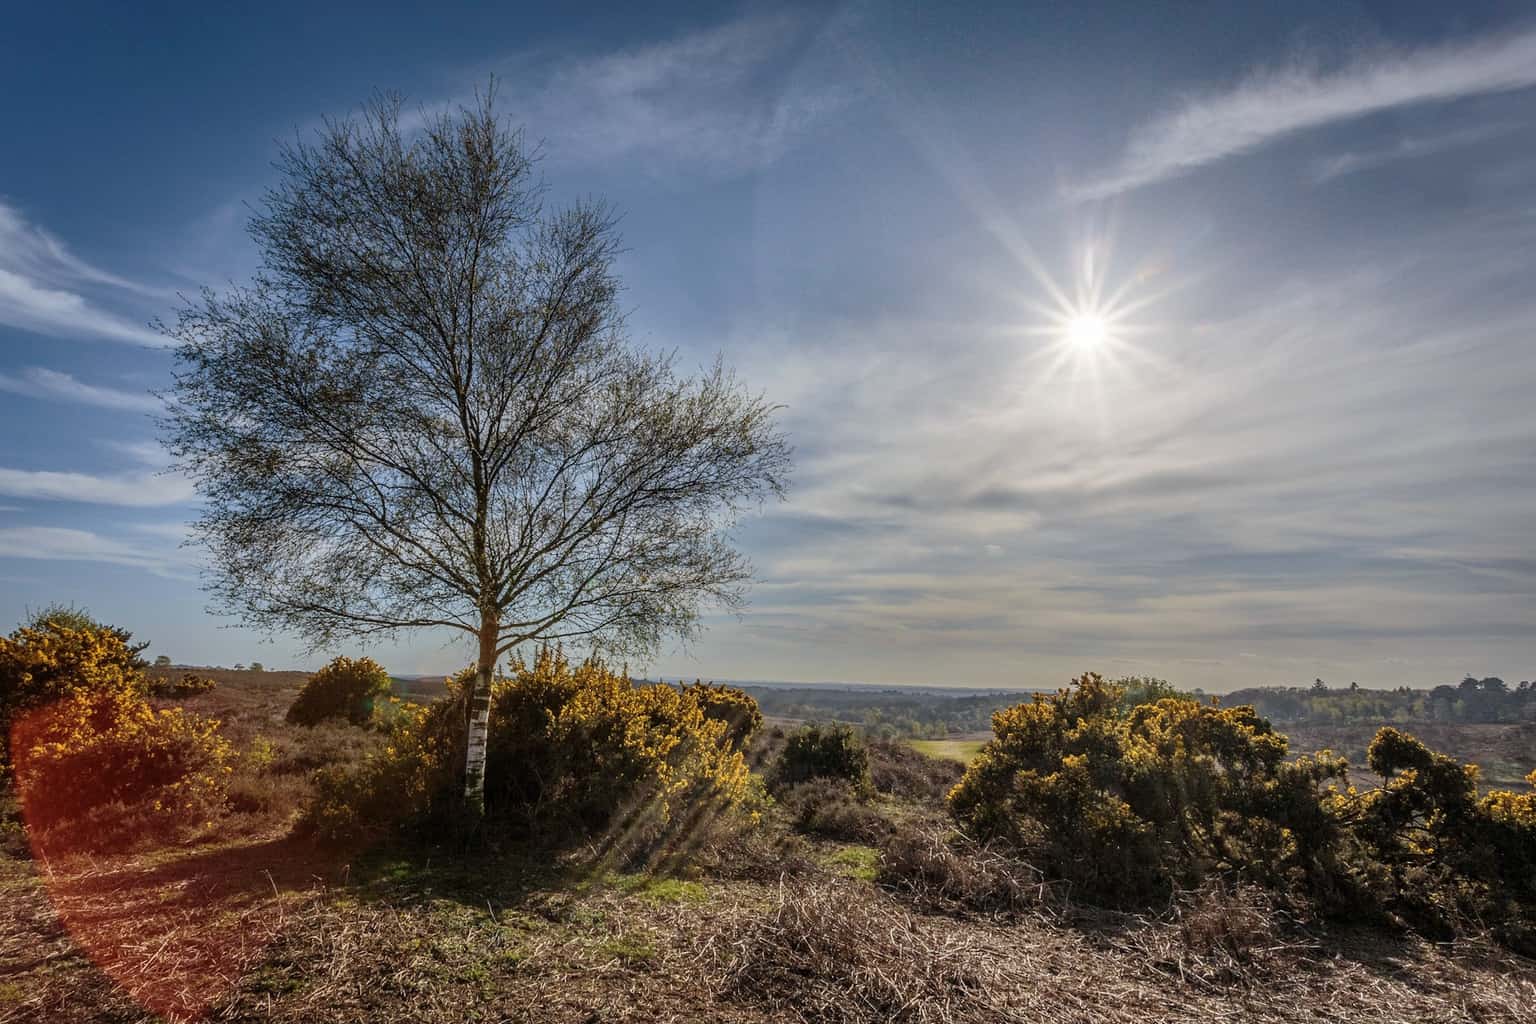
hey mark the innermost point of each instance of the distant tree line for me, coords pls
(1472, 700)
(919, 714)
(886, 714)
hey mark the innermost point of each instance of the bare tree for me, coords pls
(425, 412)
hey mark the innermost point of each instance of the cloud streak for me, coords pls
(43, 288)
(51, 543)
(1272, 105)
(722, 100)
(40, 382)
(1411, 148)
(134, 490)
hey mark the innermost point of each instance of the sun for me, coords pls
(1085, 331)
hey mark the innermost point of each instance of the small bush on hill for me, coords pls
(834, 809)
(348, 688)
(575, 751)
(189, 685)
(92, 750)
(52, 661)
(897, 769)
(822, 752)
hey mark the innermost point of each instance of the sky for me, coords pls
(1195, 340)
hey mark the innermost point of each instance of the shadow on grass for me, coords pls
(173, 928)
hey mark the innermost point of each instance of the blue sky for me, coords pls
(1305, 448)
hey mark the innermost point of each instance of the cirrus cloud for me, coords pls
(1273, 104)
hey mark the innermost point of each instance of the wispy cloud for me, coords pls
(719, 100)
(51, 543)
(1273, 104)
(1410, 148)
(40, 382)
(139, 489)
(44, 287)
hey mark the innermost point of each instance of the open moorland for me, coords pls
(816, 914)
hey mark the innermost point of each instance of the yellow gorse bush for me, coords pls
(51, 662)
(349, 688)
(80, 735)
(575, 748)
(95, 749)
(1128, 803)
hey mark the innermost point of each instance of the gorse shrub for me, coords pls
(91, 750)
(1127, 805)
(575, 751)
(822, 752)
(736, 709)
(1435, 851)
(347, 688)
(52, 661)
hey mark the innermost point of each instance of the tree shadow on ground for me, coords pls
(175, 929)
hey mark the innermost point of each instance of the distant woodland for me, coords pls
(934, 714)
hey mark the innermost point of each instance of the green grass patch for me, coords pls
(963, 751)
(860, 862)
(631, 948)
(659, 889)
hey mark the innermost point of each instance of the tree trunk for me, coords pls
(480, 719)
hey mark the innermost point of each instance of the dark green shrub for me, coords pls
(822, 752)
(1437, 855)
(346, 688)
(189, 685)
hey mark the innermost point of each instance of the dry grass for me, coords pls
(271, 930)
(938, 869)
(839, 953)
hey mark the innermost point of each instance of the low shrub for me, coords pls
(842, 954)
(188, 685)
(1219, 936)
(576, 751)
(833, 809)
(942, 869)
(757, 855)
(895, 768)
(822, 752)
(346, 688)
(92, 750)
